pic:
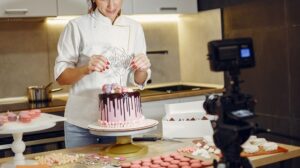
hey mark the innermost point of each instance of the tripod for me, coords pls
(228, 138)
(232, 130)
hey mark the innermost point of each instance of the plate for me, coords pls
(147, 123)
(263, 152)
(44, 121)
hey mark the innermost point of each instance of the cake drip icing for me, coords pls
(120, 109)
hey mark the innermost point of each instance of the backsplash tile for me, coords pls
(165, 67)
(23, 57)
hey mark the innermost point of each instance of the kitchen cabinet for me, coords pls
(127, 7)
(80, 7)
(72, 7)
(28, 8)
(164, 6)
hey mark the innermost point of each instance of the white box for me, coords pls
(186, 129)
(187, 110)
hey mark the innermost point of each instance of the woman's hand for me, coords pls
(140, 63)
(98, 63)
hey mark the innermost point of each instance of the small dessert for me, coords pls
(270, 146)
(24, 117)
(11, 116)
(250, 148)
(34, 113)
(196, 165)
(3, 119)
(125, 165)
(258, 141)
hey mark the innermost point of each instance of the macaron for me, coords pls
(125, 165)
(184, 164)
(135, 166)
(136, 162)
(207, 163)
(196, 165)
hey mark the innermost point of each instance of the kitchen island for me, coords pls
(153, 99)
(159, 148)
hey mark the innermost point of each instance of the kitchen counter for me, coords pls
(164, 147)
(148, 94)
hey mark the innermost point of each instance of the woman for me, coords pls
(85, 61)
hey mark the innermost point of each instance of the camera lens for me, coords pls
(210, 104)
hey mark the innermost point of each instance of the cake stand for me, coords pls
(44, 121)
(124, 145)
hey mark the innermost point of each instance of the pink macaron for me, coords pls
(173, 166)
(196, 165)
(125, 165)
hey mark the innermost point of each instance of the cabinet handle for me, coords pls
(16, 11)
(168, 9)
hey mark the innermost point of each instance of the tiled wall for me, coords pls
(28, 51)
(163, 36)
(23, 56)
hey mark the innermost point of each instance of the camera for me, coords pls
(225, 55)
(231, 55)
(233, 107)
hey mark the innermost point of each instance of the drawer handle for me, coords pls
(16, 11)
(168, 9)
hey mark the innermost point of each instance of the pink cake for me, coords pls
(121, 109)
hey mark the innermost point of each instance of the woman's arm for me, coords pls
(140, 64)
(140, 76)
(71, 75)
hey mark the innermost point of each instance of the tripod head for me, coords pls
(233, 107)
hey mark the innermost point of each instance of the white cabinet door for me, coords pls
(27, 8)
(80, 7)
(127, 7)
(164, 6)
(72, 7)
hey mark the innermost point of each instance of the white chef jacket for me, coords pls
(89, 35)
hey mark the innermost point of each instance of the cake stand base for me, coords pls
(125, 147)
(12, 164)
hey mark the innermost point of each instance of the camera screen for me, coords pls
(231, 54)
(228, 52)
(245, 52)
